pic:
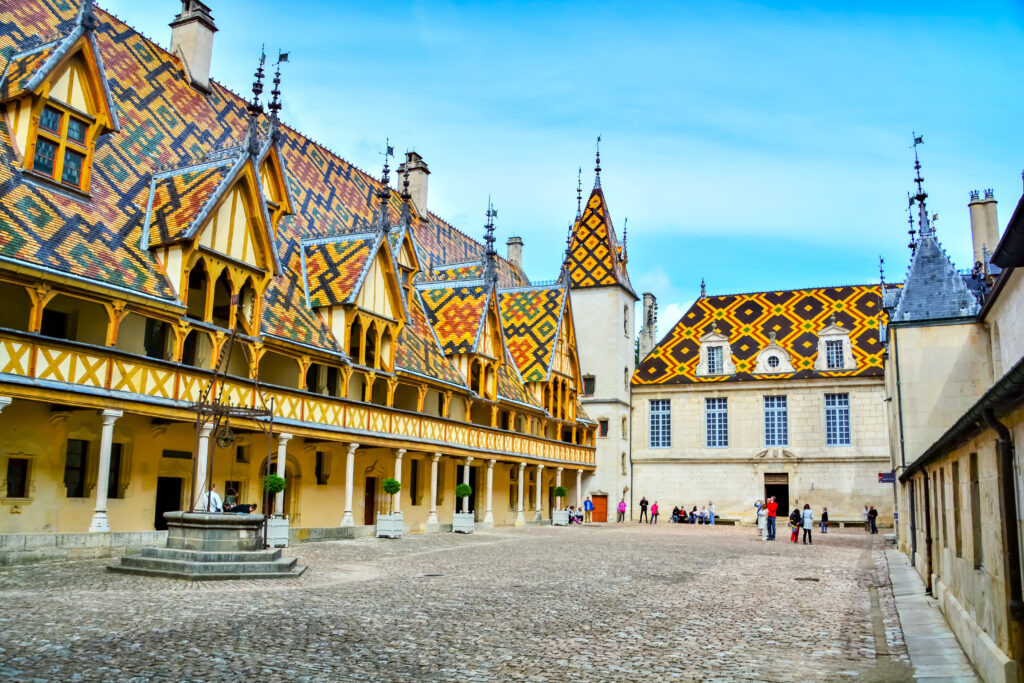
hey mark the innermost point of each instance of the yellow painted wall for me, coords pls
(375, 295)
(227, 230)
(69, 85)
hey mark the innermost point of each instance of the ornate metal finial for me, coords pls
(881, 270)
(912, 244)
(597, 166)
(924, 226)
(406, 196)
(490, 255)
(255, 108)
(625, 234)
(384, 192)
(579, 192)
(703, 289)
(87, 16)
(275, 96)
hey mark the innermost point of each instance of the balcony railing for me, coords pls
(72, 365)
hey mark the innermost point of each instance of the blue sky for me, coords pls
(756, 145)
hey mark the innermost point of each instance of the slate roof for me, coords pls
(933, 290)
(795, 316)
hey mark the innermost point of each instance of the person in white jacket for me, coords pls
(808, 522)
(762, 520)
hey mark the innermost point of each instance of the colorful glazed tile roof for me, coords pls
(795, 316)
(594, 253)
(419, 351)
(459, 271)
(333, 268)
(180, 197)
(510, 384)
(456, 314)
(441, 243)
(21, 68)
(530, 319)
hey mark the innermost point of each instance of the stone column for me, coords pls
(432, 524)
(579, 489)
(99, 517)
(4, 402)
(539, 515)
(350, 473)
(465, 480)
(488, 514)
(558, 482)
(282, 459)
(398, 476)
(520, 517)
(202, 455)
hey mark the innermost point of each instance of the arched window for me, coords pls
(385, 350)
(625, 320)
(371, 345)
(198, 286)
(355, 336)
(222, 301)
(246, 306)
(197, 350)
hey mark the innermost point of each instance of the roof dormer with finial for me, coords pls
(595, 257)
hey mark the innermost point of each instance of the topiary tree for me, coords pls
(463, 491)
(391, 487)
(273, 485)
(560, 493)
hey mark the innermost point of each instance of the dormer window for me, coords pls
(715, 355)
(773, 362)
(835, 352)
(60, 147)
(714, 360)
(773, 359)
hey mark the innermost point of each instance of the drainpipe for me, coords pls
(903, 452)
(1008, 493)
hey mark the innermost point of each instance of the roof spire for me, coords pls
(255, 109)
(580, 191)
(912, 244)
(703, 290)
(881, 270)
(406, 197)
(565, 259)
(275, 100)
(490, 255)
(625, 233)
(384, 193)
(924, 227)
(597, 166)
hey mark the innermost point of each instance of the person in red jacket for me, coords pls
(772, 508)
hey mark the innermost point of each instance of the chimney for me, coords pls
(192, 40)
(649, 330)
(984, 225)
(418, 173)
(515, 251)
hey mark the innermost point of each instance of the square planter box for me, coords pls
(560, 517)
(277, 532)
(462, 522)
(389, 526)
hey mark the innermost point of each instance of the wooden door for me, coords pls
(600, 513)
(168, 499)
(370, 502)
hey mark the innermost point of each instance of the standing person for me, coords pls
(762, 520)
(808, 520)
(794, 525)
(643, 510)
(873, 518)
(654, 513)
(824, 520)
(770, 517)
(711, 512)
(622, 509)
(212, 501)
(867, 519)
(588, 508)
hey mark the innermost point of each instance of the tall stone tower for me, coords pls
(602, 302)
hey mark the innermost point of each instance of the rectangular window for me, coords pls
(714, 360)
(54, 324)
(232, 493)
(414, 482)
(834, 354)
(319, 469)
(46, 152)
(661, 428)
(50, 120)
(716, 420)
(154, 340)
(76, 130)
(513, 488)
(588, 385)
(602, 427)
(979, 558)
(240, 454)
(837, 419)
(17, 477)
(531, 490)
(776, 421)
(114, 478)
(178, 455)
(957, 539)
(74, 467)
(72, 172)
(942, 509)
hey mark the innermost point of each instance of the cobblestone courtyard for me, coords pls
(608, 602)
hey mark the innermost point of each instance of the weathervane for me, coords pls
(597, 166)
(579, 191)
(923, 224)
(881, 270)
(490, 255)
(384, 193)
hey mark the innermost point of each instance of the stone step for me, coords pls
(285, 566)
(173, 574)
(213, 556)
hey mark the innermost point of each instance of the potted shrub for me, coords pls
(462, 522)
(560, 517)
(390, 525)
(277, 524)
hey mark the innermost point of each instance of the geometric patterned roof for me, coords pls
(531, 319)
(459, 271)
(595, 256)
(456, 313)
(795, 316)
(419, 351)
(21, 69)
(179, 198)
(333, 268)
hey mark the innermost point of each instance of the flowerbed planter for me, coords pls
(277, 532)
(389, 526)
(560, 517)
(463, 523)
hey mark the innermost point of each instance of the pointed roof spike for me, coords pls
(597, 165)
(383, 223)
(881, 270)
(625, 233)
(490, 255)
(579, 191)
(703, 289)
(255, 107)
(275, 102)
(87, 16)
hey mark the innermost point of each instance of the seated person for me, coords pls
(693, 515)
(675, 514)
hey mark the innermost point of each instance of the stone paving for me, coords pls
(601, 602)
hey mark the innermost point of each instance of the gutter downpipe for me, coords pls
(903, 452)
(1008, 495)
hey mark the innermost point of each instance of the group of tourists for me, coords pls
(705, 515)
(767, 511)
(211, 502)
